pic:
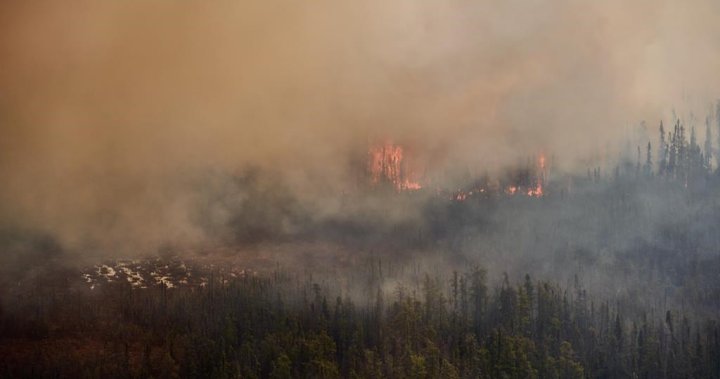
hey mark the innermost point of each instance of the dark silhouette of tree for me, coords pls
(708, 149)
(663, 151)
(647, 168)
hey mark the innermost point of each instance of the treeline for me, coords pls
(679, 155)
(284, 326)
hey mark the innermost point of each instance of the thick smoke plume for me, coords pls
(120, 119)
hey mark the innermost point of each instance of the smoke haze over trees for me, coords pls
(108, 107)
(326, 189)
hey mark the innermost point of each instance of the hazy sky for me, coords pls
(105, 106)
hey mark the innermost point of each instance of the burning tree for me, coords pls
(387, 164)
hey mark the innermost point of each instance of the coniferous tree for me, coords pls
(694, 158)
(708, 150)
(648, 161)
(717, 121)
(681, 161)
(662, 152)
(672, 151)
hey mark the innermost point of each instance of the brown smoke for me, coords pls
(107, 107)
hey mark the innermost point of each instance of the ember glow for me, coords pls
(461, 195)
(540, 178)
(536, 180)
(360, 189)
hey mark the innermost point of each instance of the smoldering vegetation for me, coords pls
(386, 316)
(193, 189)
(604, 275)
(627, 233)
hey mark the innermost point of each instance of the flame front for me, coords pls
(387, 163)
(537, 182)
(538, 190)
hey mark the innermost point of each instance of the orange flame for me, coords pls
(536, 187)
(538, 190)
(461, 195)
(386, 163)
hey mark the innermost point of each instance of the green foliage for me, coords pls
(454, 328)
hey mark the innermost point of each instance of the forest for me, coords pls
(285, 326)
(360, 189)
(612, 277)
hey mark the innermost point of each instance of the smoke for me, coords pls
(113, 112)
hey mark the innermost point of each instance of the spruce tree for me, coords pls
(717, 121)
(708, 146)
(662, 151)
(648, 161)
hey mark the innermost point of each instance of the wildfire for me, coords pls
(461, 195)
(412, 186)
(387, 163)
(538, 190)
(535, 189)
